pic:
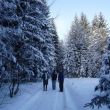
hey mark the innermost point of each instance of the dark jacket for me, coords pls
(60, 77)
(45, 80)
(54, 76)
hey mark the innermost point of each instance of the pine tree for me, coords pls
(27, 47)
(60, 63)
(70, 58)
(98, 43)
(10, 33)
(55, 41)
(10, 42)
(85, 55)
(84, 22)
(76, 46)
(49, 54)
(59, 54)
(99, 28)
(103, 88)
(37, 53)
(31, 56)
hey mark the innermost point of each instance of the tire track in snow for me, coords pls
(74, 98)
(59, 101)
(51, 100)
(28, 105)
(69, 104)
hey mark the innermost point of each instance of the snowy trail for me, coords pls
(75, 95)
(73, 99)
(45, 100)
(54, 100)
(69, 99)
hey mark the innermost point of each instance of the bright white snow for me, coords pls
(77, 92)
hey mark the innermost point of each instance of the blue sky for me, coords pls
(65, 10)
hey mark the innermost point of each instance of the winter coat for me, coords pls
(54, 76)
(60, 77)
(45, 78)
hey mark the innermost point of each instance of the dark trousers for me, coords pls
(44, 86)
(61, 86)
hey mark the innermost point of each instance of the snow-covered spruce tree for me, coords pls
(26, 40)
(56, 43)
(37, 54)
(76, 45)
(59, 50)
(69, 60)
(10, 37)
(49, 52)
(98, 43)
(60, 63)
(85, 55)
(30, 55)
(103, 88)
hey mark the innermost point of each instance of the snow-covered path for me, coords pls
(76, 94)
(45, 100)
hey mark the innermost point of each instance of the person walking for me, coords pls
(45, 78)
(54, 77)
(61, 81)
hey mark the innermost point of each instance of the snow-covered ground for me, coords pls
(76, 93)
